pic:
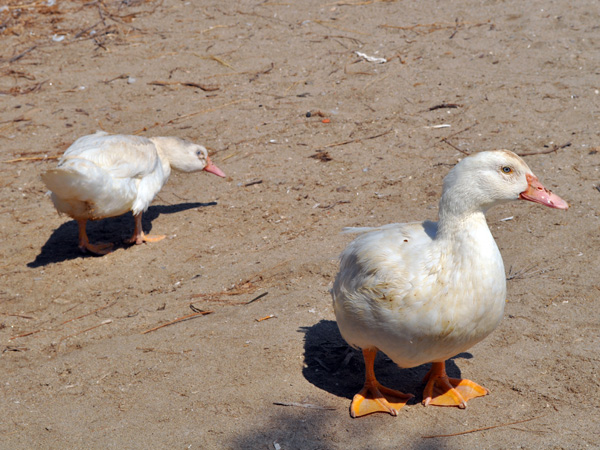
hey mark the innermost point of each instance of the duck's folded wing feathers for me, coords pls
(388, 261)
(121, 156)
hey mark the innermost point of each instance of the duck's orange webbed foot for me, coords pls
(378, 398)
(102, 248)
(374, 397)
(84, 242)
(444, 391)
(139, 237)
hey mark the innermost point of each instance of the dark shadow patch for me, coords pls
(430, 228)
(62, 243)
(332, 365)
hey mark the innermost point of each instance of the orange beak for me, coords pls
(210, 167)
(537, 193)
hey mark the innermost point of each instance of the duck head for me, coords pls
(485, 179)
(185, 156)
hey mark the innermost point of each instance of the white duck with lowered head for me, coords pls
(424, 292)
(102, 175)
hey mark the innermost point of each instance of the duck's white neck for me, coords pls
(459, 212)
(450, 226)
(163, 156)
(464, 200)
(166, 165)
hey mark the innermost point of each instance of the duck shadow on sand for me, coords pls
(332, 365)
(62, 243)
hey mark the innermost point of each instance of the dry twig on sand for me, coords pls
(366, 138)
(431, 27)
(482, 429)
(245, 287)
(204, 87)
(179, 319)
(20, 55)
(446, 139)
(31, 158)
(105, 322)
(90, 313)
(304, 405)
(29, 333)
(525, 273)
(552, 149)
(17, 315)
(17, 90)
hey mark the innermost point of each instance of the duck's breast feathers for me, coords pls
(121, 156)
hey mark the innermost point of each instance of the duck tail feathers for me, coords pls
(75, 178)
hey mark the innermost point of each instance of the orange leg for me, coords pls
(138, 235)
(374, 397)
(84, 243)
(443, 391)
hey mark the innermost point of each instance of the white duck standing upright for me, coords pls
(104, 175)
(424, 292)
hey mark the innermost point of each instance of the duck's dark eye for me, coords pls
(507, 169)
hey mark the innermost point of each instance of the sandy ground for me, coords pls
(240, 76)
